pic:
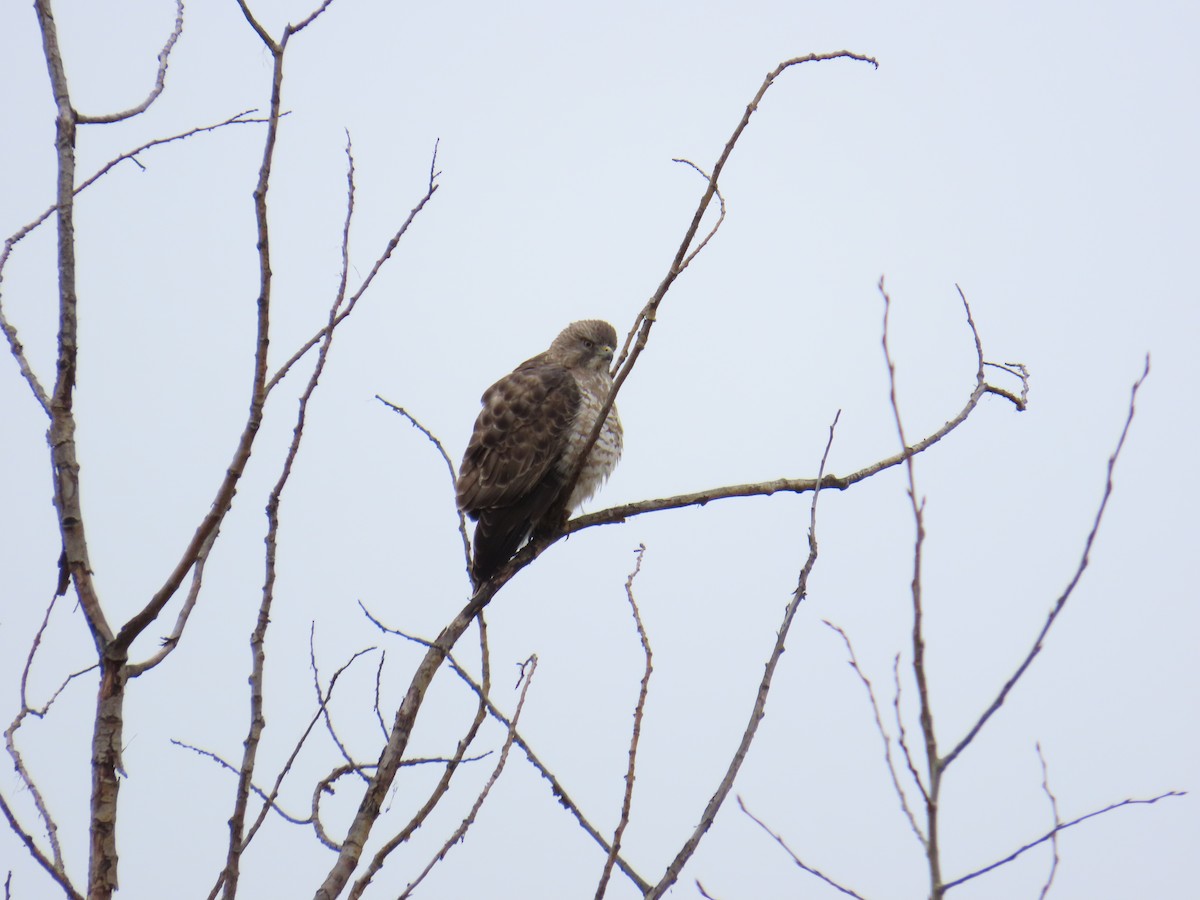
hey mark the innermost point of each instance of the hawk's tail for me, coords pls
(498, 535)
(500, 531)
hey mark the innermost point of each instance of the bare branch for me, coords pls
(618, 514)
(26, 838)
(433, 438)
(245, 772)
(323, 701)
(55, 866)
(269, 41)
(304, 23)
(760, 701)
(392, 754)
(648, 315)
(1071, 584)
(10, 733)
(638, 711)
(1057, 822)
(378, 690)
(720, 219)
(1049, 835)
(883, 735)
(929, 736)
(353, 301)
(171, 641)
(160, 80)
(556, 787)
(62, 418)
(268, 800)
(10, 331)
(451, 766)
(528, 668)
(807, 868)
(258, 393)
(902, 733)
(229, 877)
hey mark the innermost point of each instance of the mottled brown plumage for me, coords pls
(528, 438)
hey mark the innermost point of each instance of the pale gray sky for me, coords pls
(1040, 155)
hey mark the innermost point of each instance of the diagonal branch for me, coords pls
(1049, 835)
(778, 838)
(760, 701)
(556, 787)
(528, 668)
(448, 773)
(383, 257)
(1071, 584)
(648, 315)
(618, 514)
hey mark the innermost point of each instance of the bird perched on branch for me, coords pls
(528, 440)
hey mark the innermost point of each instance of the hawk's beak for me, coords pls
(607, 352)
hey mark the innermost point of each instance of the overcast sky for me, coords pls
(1039, 155)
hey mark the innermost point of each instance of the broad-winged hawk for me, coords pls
(528, 439)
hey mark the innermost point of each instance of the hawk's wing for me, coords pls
(508, 478)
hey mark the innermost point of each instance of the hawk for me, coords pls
(529, 437)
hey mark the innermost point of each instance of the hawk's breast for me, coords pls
(593, 389)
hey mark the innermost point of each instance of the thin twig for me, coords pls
(171, 641)
(269, 801)
(758, 709)
(10, 331)
(720, 218)
(378, 692)
(1049, 835)
(433, 439)
(1071, 584)
(54, 865)
(902, 732)
(883, 735)
(60, 877)
(556, 787)
(1057, 822)
(928, 734)
(245, 782)
(638, 711)
(323, 701)
(528, 668)
(362, 288)
(443, 785)
(649, 313)
(796, 859)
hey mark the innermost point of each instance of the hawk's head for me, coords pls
(588, 344)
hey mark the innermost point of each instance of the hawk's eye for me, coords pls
(588, 344)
